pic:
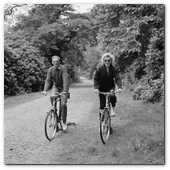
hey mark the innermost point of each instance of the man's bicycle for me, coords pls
(53, 119)
(105, 119)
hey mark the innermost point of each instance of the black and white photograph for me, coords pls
(84, 84)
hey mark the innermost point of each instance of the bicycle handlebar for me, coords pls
(57, 94)
(105, 93)
(108, 93)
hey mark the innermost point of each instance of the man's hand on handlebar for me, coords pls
(44, 93)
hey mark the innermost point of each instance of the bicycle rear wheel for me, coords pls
(50, 125)
(105, 124)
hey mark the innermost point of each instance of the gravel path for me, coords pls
(25, 141)
(138, 134)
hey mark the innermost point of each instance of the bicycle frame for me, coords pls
(107, 102)
(57, 98)
(57, 104)
(107, 95)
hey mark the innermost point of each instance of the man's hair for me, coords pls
(55, 56)
(108, 55)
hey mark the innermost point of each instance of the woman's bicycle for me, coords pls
(105, 119)
(53, 119)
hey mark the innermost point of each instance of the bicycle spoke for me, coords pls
(105, 127)
(50, 126)
(53, 118)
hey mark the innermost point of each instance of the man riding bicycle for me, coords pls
(57, 75)
(104, 80)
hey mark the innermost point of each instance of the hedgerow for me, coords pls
(23, 70)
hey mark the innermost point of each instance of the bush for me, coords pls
(73, 73)
(137, 94)
(149, 92)
(23, 70)
(155, 92)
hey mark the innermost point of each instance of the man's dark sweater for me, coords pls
(58, 77)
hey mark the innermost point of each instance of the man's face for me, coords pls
(107, 61)
(56, 62)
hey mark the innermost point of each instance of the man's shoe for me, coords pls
(112, 112)
(64, 126)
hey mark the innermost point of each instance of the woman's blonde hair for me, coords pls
(108, 55)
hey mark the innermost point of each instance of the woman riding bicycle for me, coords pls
(104, 80)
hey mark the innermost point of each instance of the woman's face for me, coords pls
(107, 61)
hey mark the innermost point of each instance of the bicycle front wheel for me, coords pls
(50, 125)
(105, 124)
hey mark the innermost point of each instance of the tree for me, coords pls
(23, 70)
(52, 29)
(134, 33)
(92, 58)
(9, 9)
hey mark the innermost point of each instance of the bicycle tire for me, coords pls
(50, 125)
(105, 125)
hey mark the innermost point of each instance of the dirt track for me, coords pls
(25, 141)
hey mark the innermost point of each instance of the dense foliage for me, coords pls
(134, 33)
(23, 70)
(92, 58)
(47, 30)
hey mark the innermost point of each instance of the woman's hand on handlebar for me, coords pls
(96, 91)
(119, 90)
